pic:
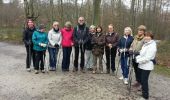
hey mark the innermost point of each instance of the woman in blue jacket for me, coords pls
(124, 45)
(40, 41)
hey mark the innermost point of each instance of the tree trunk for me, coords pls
(96, 12)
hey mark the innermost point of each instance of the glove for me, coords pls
(56, 45)
(130, 52)
(136, 53)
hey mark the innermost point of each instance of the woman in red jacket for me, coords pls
(67, 43)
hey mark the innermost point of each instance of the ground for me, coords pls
(17, 84)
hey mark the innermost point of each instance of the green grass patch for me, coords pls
(162, 70)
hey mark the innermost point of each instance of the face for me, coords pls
(99, 29)
(30, 24)
(56, 26)
(42, 30)
(68, 28)
(147, 38)
(81, 21)
(110, 28)
(140, 32)
(92, 30)
(127, 32)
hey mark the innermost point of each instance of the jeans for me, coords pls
(39, 60)
(89, 59)
(124, 65)
(53, 56)
(66, 58)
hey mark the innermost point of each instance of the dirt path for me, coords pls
(17, 84)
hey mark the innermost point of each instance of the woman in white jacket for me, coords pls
(54, 37)
(146, 62)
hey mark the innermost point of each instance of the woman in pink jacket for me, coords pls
(67, 43)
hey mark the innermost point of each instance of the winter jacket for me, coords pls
(98, 42)
(37, 38)
(54, 38)
(67, 37)
(112, 38)
(80, 34)
(137, 43)
(88, 45)
(147, 54)
(27, 36)
(125, 43)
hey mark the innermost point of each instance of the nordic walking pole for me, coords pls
(29, 53)
(118, 64)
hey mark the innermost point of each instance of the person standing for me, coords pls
(54, 37)
(112, 39)
(67, 43)
(40, 41)
(88, 47)
(146, 62)
(27, 39)
(135, 48)
(80, 37)
(123, 48)
(98, 42)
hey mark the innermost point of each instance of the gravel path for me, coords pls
(17, 84)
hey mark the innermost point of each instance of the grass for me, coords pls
(162, 70)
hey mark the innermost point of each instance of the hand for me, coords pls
(136, 53)
(56, 45)
(131, 52)
(110, 46)
(72, 44)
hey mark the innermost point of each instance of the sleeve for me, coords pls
(46, 40)
(116, 42)
(75, 38)
(87, 36)
(50, 38)
(34, 39)
(24, 37)
(60, 39)
(151, 52)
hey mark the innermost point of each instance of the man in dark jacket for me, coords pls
(80, 37)
(112, 39)
(27, 39)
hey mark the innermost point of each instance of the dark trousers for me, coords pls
(144, 82)
(110, 53)
(66, 58)
(78, 49)
(53, 56)
(39, 60)
(30, 55)
(137, 71)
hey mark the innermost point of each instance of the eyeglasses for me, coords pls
(81, 20)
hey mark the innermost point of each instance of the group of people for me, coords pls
(92, 43)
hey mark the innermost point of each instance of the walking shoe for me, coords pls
(94, 72)
(51, 69)
(141, 98)
(28, 70)
(113, 73)
(108, 72)
(101, 72)
(126, 81)
(43, 71)
(121, 78)
(82, 70)
(36, 72)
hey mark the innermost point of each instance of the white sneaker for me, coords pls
(28, 70)
(43, 71)
(36, 72)
(121, 78)
(126, 81)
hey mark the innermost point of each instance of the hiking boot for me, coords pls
(36, 72)
(75, 69)
(108, 71)
(126, 81)
(94, 72)
(136, 84)
(28, 70)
